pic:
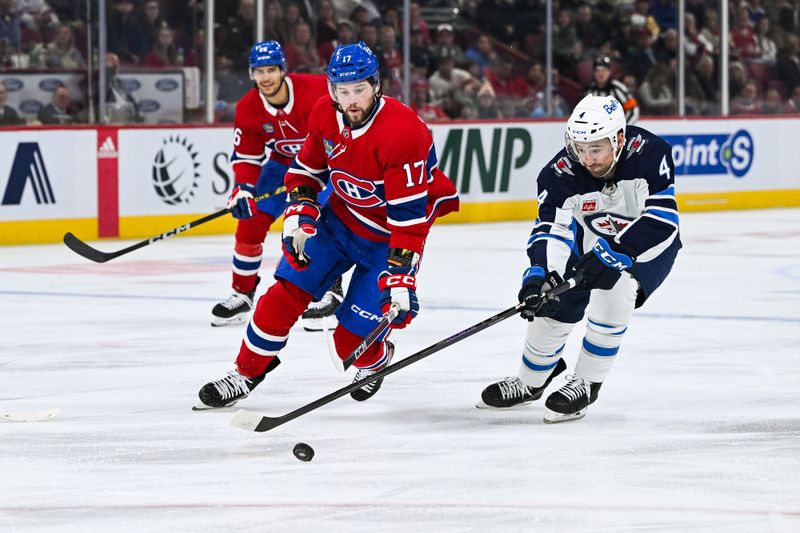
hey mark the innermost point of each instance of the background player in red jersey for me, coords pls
(378, 158)
(271, 124)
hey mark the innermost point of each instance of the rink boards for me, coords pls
(135, 182)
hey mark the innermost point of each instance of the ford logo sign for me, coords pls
(148, 106)
(129, 85)
(49, 84)
(30, 107)
(166, 85)
(13, 84)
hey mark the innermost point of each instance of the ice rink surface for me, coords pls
(696, 429)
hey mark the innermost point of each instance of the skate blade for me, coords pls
(232, 321)
(483, 405)
(200, 406)
(316, 325)
(551, 417)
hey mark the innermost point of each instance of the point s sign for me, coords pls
(705, 154)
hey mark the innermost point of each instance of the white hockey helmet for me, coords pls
(595, 118)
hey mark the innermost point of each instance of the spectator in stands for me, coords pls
(8, 116)
(767, 50)
(121, 107)
(693, 46)
(773, 105)
(487, 103)
(392, 18)
(644, 58)
(642, 19)
(390, 60)
(567, 49)
(742, 36)
(451, 80)
(417, 22)
(737, 77)
(61, 52)
(787, 66)
(420, 103)
(345, 34)
(126, 35)
(274, 26)
(445, 40)
(9, 26)
(666, 46)
(58, 110)
(164, 53)
(326, 22)
(36, 15)
(702, 97)
(793, 103)
(482, 53)
(505, 83)
(665, 13)
(422, 58)
(369, 34)
(238, 34)
(709, 34)
(656, 92)
(301, 53)
(360, 16)
(747, 102)
(535, 79)
(590, 34)
(539, 107)
(153, 21)
(292, 16)
(231, 87)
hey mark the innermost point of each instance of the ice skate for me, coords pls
(571, 401)
(368, 391)
(227, 391)
(320, 315)
(512, 392)
(233, 310)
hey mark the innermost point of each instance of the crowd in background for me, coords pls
(471, 59)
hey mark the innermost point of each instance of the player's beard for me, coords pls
(356, 115)
(274, 92)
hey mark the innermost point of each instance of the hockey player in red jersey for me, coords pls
(379, 159)
(271, 124)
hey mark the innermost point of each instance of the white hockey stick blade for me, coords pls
(338, 364)
(244, 419)
(30, 416)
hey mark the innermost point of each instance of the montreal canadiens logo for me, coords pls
(607, 224)
(288, 147)
(355, 191)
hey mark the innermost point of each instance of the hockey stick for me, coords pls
(358, 351)
(93, 254)
(30, 416)
(248, 420)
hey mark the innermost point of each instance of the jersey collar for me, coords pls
(362, 129)
(288, 107)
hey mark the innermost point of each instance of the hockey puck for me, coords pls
(303, 451)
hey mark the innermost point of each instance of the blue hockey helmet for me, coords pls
(266, 53)
(352, 63)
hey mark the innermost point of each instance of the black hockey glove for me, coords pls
(534, 284)
(602, 266)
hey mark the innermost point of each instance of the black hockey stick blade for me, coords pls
(248, 420)
(93, 254)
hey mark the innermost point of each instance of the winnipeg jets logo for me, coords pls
(563, 166)
(355, 191)
(607, 224)
(635, 145)
(286, 147)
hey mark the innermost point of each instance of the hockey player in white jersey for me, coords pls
(607, 210)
